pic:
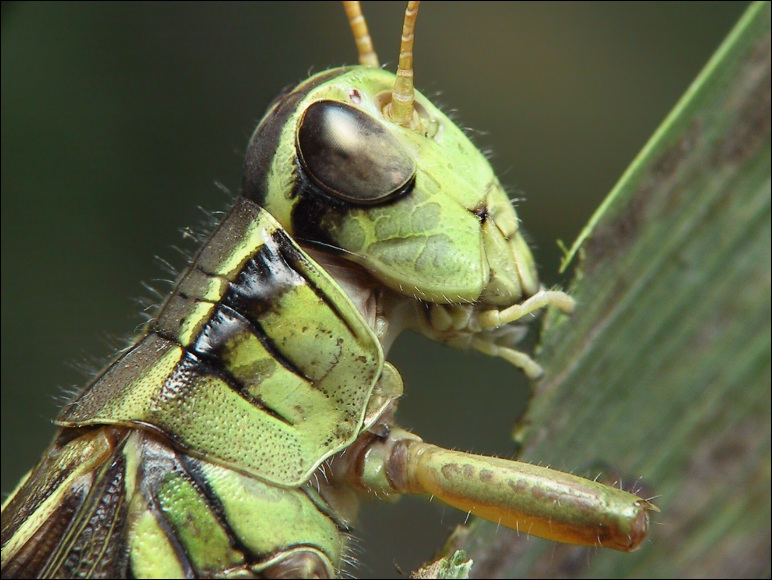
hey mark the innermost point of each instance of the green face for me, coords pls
(421, 210)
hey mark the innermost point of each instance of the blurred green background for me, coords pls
(118, 119)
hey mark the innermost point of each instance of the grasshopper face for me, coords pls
(420, 210)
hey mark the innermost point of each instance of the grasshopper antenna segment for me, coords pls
(367, 55)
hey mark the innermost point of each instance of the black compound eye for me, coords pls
(351, 156)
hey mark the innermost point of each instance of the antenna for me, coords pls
(367, 56)
(400, 110)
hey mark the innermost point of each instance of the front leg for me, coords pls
(531, 499)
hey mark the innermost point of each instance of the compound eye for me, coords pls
(351, 156)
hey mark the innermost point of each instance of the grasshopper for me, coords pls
(237, 434)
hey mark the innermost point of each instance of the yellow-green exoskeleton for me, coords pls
(235, 436)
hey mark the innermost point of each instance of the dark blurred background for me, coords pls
(118, 119)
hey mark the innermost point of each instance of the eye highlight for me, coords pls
(351, 156)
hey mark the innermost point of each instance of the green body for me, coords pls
(233, 437)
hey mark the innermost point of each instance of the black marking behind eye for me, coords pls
(266, 139)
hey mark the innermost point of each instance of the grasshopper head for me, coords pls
(417, 205)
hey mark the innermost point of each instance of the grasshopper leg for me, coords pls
(529, 498)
